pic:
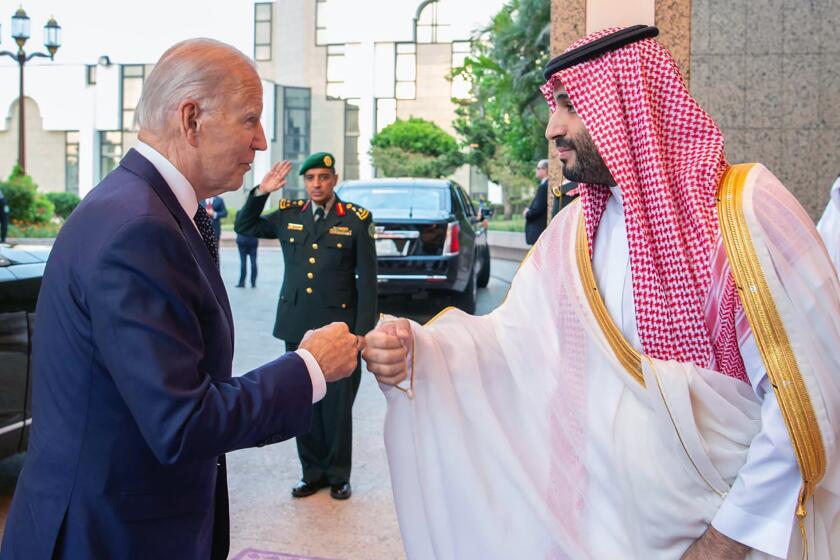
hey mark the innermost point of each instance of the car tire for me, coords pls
(484, 274)
(465, 301)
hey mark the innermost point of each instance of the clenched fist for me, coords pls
(335, 349)
(386, 350)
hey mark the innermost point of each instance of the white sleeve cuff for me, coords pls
(319, 384)
(764, 534)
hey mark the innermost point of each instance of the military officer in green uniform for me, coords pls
(330, 275)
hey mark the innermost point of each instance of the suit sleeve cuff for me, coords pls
(764, 534)
(319, 384)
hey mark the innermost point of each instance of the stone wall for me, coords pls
(768, 71)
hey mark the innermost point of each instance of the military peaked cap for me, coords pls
(319, 160)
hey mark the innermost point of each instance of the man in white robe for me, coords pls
(662, 380)
(829, 225)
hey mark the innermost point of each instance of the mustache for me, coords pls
(563, 144)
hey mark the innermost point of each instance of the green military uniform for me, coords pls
(330, 275)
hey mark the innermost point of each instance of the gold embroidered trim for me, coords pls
(770, 335)
(628, 356)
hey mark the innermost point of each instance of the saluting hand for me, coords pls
(386, 350)
(275, 179)
(335, 349)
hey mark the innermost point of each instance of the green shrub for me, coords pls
(64, 203)
(21, 200)
(43, 210)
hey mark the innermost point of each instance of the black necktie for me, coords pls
(205, 228)
(319, 219)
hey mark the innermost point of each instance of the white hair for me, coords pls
(197, 69)
(542, 164)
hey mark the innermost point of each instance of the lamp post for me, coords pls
(20, 33)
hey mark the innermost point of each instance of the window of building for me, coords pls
(71, 161)
(297, 109)
(335, 71)
(405, 74)
(460, 85)
(427, 24)
(110, 151)
(90, 74)
(263, 15)
(131, 78)
(321, 22)
(386, 112)
(351, 139)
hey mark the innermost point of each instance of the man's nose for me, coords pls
(556, 127)
(259, 142)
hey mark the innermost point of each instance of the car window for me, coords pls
(469, 203)
(398, 200)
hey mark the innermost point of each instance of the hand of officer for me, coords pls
(275, 179)
(386, 350)
(335, 349)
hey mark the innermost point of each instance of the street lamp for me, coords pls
(20, 33)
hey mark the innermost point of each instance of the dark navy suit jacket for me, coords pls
(134, 405)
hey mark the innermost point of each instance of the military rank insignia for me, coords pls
(341, 230)
(362, 213)
(285, 204)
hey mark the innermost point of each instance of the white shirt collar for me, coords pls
(327, 207)
(181, 187)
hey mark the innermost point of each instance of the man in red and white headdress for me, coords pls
(663, 379)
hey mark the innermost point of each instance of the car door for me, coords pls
(466, 237)
(14, 367)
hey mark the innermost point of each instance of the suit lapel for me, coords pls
(141, 167)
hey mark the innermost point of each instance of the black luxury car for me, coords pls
(429, 237)
(21, 270)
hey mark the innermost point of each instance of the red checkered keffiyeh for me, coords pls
(667, 156)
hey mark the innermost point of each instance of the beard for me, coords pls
(589, 167)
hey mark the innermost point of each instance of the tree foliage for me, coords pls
(503, 122)
(415, 148)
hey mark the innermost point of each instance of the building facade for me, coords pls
(318, 95)
(766, 70)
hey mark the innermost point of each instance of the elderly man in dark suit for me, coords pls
(134, 404)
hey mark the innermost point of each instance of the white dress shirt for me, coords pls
(185, 193)
(759, 509)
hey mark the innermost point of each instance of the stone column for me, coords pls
(568, 24)
(673, 18)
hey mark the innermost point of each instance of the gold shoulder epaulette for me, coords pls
(286, 203)
(362, 213)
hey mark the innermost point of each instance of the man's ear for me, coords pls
(188, 112)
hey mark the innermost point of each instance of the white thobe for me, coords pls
(759, 509)
(829, 225)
